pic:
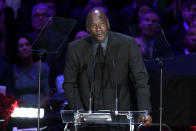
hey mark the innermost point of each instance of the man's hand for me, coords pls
(146, 120)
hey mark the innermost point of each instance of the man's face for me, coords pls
(142, 11)
(40, 17)
(98, 26)
(189, 13)
(190, 39)
(149, 24)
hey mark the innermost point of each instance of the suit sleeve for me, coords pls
(70, 84)
(139, 77)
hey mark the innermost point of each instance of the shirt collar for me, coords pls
(103, 44)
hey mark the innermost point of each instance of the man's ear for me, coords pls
(87, 27)
(108, 24)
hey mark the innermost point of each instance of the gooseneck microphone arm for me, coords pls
(41, 53)
(116, 86)
(92, 86)
(157, 60)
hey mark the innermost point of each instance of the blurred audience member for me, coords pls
(80, 34)
(172, 14)
(50, 4)
(132, 13)
(93, 3)
(6, 76)
(40, 16)
(8, 12)
(189, 43)
(14, 4)
(178, 31)
(150, 42)
(26, 75)
(190, 40)
(149, 27)
(2, 35)
(7, 31)
(142, 10)
(24, 15)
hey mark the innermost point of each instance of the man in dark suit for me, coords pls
(122, 63)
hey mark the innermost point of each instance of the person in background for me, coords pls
(114, 54)
(7, 32)
(6, 73)
(26, 75)
(188, 46)
(149, 27)
(151, 40)
(7, 77)
(176, 33)
(2, 35)
(50, 4)
(80, 34)
(40, 16)
(132, 13)
(190, 40)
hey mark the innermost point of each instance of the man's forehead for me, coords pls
(96, 15)
(96, 12)
(40, 10)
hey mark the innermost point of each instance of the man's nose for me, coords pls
(149, 22)
(24, 47)
(41, 17)
(98, 27)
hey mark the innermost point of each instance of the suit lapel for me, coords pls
(110, 57)
(89, 59)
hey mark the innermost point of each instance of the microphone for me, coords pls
(92, 85)
(116, 85)
(157, 60)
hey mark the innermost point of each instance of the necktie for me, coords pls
(98, 99)
(100, 57)
(149, 50)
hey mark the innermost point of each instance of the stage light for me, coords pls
(27, 112)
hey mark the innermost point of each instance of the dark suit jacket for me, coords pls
(129, 67)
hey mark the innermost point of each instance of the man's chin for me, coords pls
(100, 39)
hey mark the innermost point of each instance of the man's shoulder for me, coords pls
(121, 36)
(122, 39)
(80, 42)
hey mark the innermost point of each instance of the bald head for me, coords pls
(95, 13)
(97, 25)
